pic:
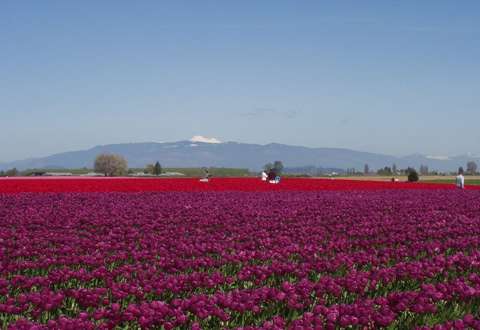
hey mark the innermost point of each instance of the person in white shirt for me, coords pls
(264, 176)
(206, 176)
(460, 180)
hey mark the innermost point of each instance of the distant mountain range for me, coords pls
(196, 153)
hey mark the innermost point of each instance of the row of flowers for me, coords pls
(393, 258)
(12, 185)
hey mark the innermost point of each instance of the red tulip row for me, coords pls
(78, 184)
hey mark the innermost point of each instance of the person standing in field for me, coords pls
(277, 179)
(264, 176)
(460, 179)
(206, 176)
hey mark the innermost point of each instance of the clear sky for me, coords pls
(396, 77)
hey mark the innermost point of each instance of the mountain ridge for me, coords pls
(187, 153)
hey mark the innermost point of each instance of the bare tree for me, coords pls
(472, 167)
(366, 169)
(12, 172)
(394, 169)
(111, 165)
(149, 169)
(424, 170)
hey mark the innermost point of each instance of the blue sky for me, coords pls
(396, 77)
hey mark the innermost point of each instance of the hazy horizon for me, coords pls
(391, 78)
(203, 139)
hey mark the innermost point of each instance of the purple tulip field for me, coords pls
(391, 259)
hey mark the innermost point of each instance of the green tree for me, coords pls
(385, 171)
(472, 167)
(412, 175)
(278, 167)
(267, 167)
(157, 169)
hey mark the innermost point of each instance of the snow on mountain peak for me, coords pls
(438, 157)
(204, 139)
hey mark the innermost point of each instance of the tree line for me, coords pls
(116, 165)
(472, 169)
